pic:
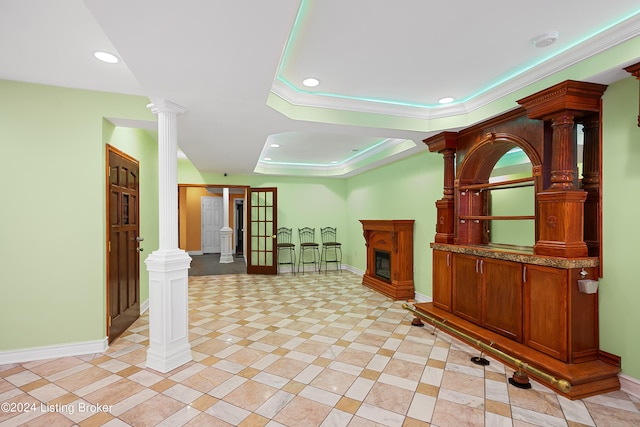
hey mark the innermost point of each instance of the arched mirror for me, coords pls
(512, 201)
(496, 193)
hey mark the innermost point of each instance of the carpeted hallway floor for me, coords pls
(209, 265)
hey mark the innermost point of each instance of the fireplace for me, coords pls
(389, 257)
(383, 265)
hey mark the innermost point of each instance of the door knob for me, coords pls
(139, 239)
(139, 249)
(273, 236)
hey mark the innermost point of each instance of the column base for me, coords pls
(561, 219)
(163, 362)
(169, 345)
(561, 249)
(226, 245)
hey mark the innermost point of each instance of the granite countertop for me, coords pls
(517, 254)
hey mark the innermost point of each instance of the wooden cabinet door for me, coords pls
(442, 280)
(545, 310)
(502, 297)
(466, 287)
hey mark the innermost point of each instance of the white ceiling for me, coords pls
(237, 67)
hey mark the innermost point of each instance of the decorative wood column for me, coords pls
(564, 165)
(445, 143)
(634, 70)
(168, 266)
(561, 206)
(591, 160)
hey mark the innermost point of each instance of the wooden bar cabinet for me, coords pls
(527, 300)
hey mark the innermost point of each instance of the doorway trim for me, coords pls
(239, 226)
(111, 149)
(183, 207)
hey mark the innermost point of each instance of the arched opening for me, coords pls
(496, 191)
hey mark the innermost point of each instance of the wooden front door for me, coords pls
(123, 243)
(262, 223)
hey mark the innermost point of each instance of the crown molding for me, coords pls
(389, 150)
(572, 55)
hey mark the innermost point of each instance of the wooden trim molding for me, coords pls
(634, 70)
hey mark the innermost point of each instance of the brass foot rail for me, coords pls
(519, 376)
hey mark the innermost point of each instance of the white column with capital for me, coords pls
(168, 266)
(226, 233)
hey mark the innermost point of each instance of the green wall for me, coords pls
(143, 146)
(302, 202)
(619, 291)
(514, 201)
(52, 221)
(407, 189)
(52, 230)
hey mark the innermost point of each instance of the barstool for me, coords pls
(285, 245)
(330, 242)
(308, 243)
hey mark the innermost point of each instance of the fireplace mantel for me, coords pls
(395, 239)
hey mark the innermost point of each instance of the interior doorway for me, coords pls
(192, 219)
(238, 225)
(123, 242)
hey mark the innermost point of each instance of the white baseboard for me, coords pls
(195, 253)
(54, 351)
(64, 350)
(353, 270)
(629, 385)
(422, 298)
(287, 269)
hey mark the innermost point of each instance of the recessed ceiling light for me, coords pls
(311, 82)
(274, 145)
(107, 57)
(546, 39)
(334, 162)
(445, 100)
(267, 158)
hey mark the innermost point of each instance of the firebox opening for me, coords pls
(383, 265)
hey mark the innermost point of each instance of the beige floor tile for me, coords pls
(449, 414)
(250, 395)
(391, 398)
(151, 411)
(303, 412)
(83, 378)
(297, 351)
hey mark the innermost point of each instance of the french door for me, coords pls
(262, 224)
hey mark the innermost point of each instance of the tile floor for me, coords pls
(312, 350)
